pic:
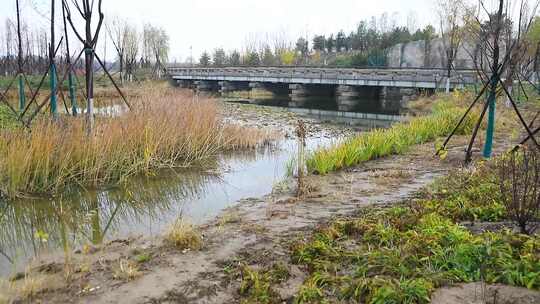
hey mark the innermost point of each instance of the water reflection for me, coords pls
(144, 206)
(31, 228)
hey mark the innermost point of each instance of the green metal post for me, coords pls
(54, 106)
(488, 147)
(72, 96)
(22, 97)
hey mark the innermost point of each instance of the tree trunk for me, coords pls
(89, 64)
(22, 96)
(449, 59)
(71, 83)
(121, 59)
(536, 67)
(52, 68)
(488, 147)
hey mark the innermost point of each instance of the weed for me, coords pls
(20, 290)
(256, 286)
(184, 235)
(229, 218)
(126, 270)
(142, 258)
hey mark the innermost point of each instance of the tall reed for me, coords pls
(165, 129)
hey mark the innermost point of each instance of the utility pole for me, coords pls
(191, 55)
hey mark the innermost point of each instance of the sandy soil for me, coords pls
(257, 232)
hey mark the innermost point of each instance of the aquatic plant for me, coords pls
(383, 142)
(165, 129)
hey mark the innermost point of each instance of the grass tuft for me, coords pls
(184, 235)
(126, 270)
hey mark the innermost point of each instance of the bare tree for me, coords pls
(156, 46)
(86, 10)
(117, 30)
(131, 44)
(519, 179)
(498, 57)
(451, 14)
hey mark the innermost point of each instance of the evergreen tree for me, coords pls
(220, 59)
(205, 59)
(330, 43)
(234, 58)
(252, 59)
(319, 43)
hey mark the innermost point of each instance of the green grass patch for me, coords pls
(256, 285)
(402, 254)
(395, 140)
(7, 117)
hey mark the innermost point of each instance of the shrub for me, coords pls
(519, 174)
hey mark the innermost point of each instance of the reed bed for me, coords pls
(395, 140)
(165, 129)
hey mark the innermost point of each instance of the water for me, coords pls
(143, 207)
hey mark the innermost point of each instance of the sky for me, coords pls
(198, 25)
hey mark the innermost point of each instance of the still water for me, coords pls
(145, 206)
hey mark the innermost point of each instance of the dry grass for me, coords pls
(183, 235)
(23, 289)
(166, 128)
(232, 217)
(126, 270)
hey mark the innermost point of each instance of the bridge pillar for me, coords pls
(226, 87)
(298, 95)
(393, 99)
(184, 84)
(347, 97)
(205, 86)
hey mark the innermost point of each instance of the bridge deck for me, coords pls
(410, 78)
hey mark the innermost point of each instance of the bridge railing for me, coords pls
(415, 75)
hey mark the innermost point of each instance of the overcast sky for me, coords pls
(207, 24)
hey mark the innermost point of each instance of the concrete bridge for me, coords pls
(391, 88)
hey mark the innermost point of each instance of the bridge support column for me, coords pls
(226, 87)
(184, 84)
(393, 99)
(205, 87)
(298, 95)
(347, 97)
